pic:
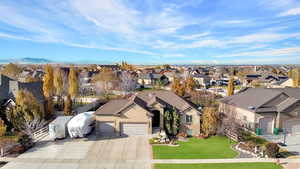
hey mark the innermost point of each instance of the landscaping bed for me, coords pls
(219, 166)
(215, 147)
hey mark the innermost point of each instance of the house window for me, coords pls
(189, 118)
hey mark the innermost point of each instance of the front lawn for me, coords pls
(215, 147)
(219, 166)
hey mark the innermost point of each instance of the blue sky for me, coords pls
(152, 31)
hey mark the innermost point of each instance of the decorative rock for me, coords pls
(163, 133)
(161, 141)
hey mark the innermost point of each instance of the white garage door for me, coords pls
(106, 128)
(293, 127)
(266, 124)
(134, 129)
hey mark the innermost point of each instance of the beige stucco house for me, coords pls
(140, 113)
(265, 108)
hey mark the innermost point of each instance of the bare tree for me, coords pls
(228, 121)
(105, 81)
(30, 126)
(128, 81)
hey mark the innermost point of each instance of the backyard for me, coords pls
(219, 166)
(216, 147)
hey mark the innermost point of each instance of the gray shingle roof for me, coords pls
(10, 87)
(264, 99)
(145, 99)
(113, 107)
(166, 96)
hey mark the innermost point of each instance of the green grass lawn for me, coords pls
(215, 147)
(219, 166)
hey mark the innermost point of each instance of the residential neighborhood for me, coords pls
(109, 116)
(149, 84)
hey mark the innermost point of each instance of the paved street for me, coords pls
(92, 153)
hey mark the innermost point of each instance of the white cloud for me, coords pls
(262, 38)
(275, 4)
(266, 53)
(291, 12)
(166, 21)
(205, 43)
(14, 17)
(4, 35)
(193, 36)
(109, 15)
(234, 22)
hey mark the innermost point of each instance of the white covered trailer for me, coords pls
(58, 127)
(81, 124)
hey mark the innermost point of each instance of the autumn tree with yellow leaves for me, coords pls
(177, 87)
(230, 87)
(48, 88)
(209, 121)
(28, 114)
(73, 83)
(190, 84)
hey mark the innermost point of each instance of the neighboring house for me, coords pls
(171, 75)
(140, 113)
(265, 108)
(202, 80)
(283, 83)
(250, 78)
(265, 79)
(149, 79)
(9, 89)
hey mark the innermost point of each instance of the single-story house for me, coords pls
(149, 79)
(202, 80)
(142, 112)
(265, 108)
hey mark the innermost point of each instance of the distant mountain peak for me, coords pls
(35, 60)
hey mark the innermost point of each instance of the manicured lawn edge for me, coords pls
(215, 147)
(250, 165)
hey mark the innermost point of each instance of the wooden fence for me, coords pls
(40, 133)
(232, 135)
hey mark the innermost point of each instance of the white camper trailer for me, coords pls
(58, 127)
(81, 124)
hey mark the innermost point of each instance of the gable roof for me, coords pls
(145, 100)
(113, 107)
(264, 99)
(10, 87)
(168, 97)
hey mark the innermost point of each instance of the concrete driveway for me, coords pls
(92, 153)
(292, 142)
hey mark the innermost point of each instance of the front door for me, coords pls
(155, 118)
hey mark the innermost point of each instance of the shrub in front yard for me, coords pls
(248, 146)
(202, 136)
(2, 128)
(272, 149)
(26, 141)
